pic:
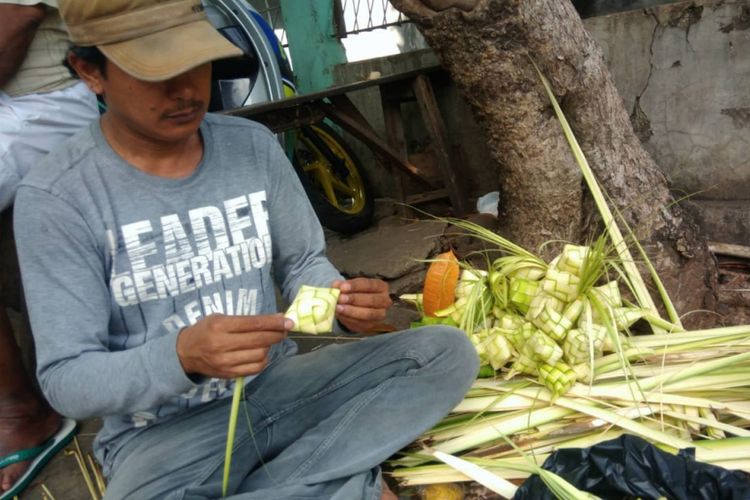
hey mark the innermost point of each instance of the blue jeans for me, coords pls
(318, 424)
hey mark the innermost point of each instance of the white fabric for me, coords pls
(32, 125)
(50, 3)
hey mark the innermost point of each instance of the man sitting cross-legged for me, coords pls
(149, 247)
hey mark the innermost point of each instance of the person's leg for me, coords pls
(29, 128)
(183, 459)
(333, 415)
(316, 425)
(25, 418)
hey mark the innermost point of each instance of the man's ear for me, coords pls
(89, 72)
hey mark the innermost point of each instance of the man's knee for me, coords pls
(451, 350)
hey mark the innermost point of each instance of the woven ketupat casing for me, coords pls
(313, 309)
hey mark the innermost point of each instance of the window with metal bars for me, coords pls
(366, 15)
(365, 27)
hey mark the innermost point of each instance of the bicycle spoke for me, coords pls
(343, 188)
(331, 170)
(316, 168)
(325, 182)
(320, 170)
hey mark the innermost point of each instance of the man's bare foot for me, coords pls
(24, 424)
(387, 493)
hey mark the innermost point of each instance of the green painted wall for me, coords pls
(313, 46)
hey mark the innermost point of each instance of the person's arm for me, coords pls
(66, 287)
(68, 298)
(17, 30)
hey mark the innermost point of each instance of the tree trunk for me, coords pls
(487, 46)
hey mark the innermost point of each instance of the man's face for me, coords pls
(166, 111)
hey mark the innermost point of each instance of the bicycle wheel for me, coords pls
(333, 179)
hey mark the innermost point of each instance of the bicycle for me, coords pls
(330, 172)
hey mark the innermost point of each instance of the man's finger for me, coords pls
(239, 341)
(375, 300)
(360, 313)
(363, 285)
(241, 324)
(234, 359)
(245, 370)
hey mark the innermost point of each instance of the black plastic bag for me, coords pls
(630, 467)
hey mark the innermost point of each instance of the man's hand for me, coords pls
(362, 304)
(230, 346)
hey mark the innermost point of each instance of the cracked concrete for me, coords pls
(681, 16)
(682, 70)
(740, 22)
(393, 249)
(640, 121)
(740, 116)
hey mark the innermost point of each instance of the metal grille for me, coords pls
(271, 12)
(368, 15)
(354, 16)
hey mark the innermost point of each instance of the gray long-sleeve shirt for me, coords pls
(115, 262)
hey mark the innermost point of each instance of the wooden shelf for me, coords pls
(391, 152)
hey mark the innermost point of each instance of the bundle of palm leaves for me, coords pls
(568, 362)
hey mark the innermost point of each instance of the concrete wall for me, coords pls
(683, 70)
(590, 8)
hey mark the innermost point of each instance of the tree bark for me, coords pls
(488, 47)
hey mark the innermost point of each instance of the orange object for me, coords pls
(440, 283)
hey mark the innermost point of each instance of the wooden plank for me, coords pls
(427, 196)
(253, 109)
(345, 105)
(394, 132)
(365, 134)
(287, 119)
(729, 249)
(436, 128)
(399, 92)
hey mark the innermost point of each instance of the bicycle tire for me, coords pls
(340, 193)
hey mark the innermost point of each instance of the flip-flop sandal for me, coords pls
(39, 455)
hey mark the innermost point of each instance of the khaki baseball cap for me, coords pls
(151, 40)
